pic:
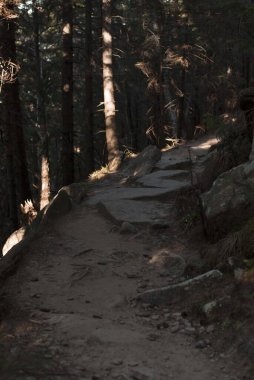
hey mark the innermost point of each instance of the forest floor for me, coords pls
(70, 311)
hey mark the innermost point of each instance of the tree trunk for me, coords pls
(18, 178)
(88, 130)
(108, 87)
(181, 106)
(67, 94)
(41, 112)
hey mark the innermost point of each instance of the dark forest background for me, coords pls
(171, 70)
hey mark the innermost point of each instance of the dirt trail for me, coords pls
(71, 315)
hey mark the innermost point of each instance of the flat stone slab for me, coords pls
(169, 161)
(166, 293)
(137, 212)
(143, 163)
(170, 179)
(130, 193)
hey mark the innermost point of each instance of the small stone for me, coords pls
(35, 295)
(190, 330)
(238, 273)
(133, 364)
(201, 344)
(187, 324)
(127, 228)
(163, 325)
(175, 328)
(45, 309)
(153, 337)
(155, 317)
(209, 307)
(141, 374)
(97, 316)
(177, 315)
(48, 355)
(102, 262)
(210, 329)
(132, 275)
(34, 279)
(117, 362)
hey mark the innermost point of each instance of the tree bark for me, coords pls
(88, 128)
(18, 178)
(41, 113)
(67, 93)
(108, 88)
(181, 106)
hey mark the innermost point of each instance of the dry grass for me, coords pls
(99, 174)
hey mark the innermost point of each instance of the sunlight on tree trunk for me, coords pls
(67, 94)
(108, 87)
(41, 111)
(88, 127)
(45, 188)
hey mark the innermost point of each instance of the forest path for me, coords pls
(72, 314)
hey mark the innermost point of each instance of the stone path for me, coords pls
(72, 317)
(72, 309)
(144, 201)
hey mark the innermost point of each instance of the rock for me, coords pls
(172, 160)
(233, 150)
(143, 163)
(230, 201)
(129, 193)
(201, 344)
(246, 103)
(175, 328)
(76, 191)
(61, 204)
(177, 316)
(133, 364)
(14, 239)
(210, 329)
(179, 290)
(153, 337)
(127, 228)
(247, 347)
(189, 330)
(141, 373)
(128, 212)
(117, 362)
(169, 264)
(209, 307)
(175, 179)
(155, 317)
(238, 273)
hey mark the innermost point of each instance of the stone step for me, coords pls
(136, 193)
(170, 179)
(169, 162)
(152, 213)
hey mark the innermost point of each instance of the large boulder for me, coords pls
(232, 150)
(246, 102)
(230, 201)
(143, 163)
(14, 239)
(17, 243)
